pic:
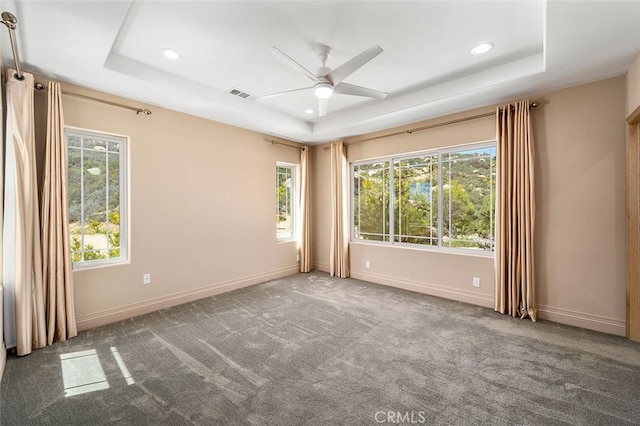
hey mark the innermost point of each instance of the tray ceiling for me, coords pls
(426, 66)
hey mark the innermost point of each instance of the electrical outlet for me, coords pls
(146, 279)
(298, 257)
(476, 282)
(367, 264)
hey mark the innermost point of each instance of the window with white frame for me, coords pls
(440, 198)
(97, 182)
(285, 201)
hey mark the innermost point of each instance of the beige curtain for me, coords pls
(3, 352)
(305, 211)
(339, 256)
(56, 254)
(515, 213)
(22, 256)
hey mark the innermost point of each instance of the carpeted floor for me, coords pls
(314, 350)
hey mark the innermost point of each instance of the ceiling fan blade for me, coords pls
(292, 63)
(286, 92)
(349, 67)
(323, 106)
(351, 89)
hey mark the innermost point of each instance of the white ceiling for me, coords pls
(426, 67)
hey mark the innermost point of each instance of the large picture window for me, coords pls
(97, 197)
(442, 198)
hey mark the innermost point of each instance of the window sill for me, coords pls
(440, 250)
(286, 240)
(91, 265)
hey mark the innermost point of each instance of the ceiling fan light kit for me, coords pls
(327, 81)
(323, 90)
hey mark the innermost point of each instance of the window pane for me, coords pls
(94, 206)
(113, 205)
(74, 141)
(94, 193)
(74, 175)
(468, 198)
(371, 201)
(95, 144)
(95, 190)
(113, 146)
(415, 203)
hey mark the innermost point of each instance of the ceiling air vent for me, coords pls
(239, 93)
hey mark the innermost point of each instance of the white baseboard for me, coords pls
(426, 288)
(128, 311)
(322, 267)
(559, 315)
(583, 320)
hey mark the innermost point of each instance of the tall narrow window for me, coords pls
(285, 201)
(97, 197)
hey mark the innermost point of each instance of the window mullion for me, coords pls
(491, 205)
(440, 200)
(355, 177)
(106, 202)
(359, 204)
(431, 200)
(450, 197)
(82, 199)
(392, 197)
(400, 223)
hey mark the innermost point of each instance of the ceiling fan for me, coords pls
(327, 81)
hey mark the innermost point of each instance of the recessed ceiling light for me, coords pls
(482, 48)
(170, 53)
(309, 111)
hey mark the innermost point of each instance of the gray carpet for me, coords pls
(314, 350)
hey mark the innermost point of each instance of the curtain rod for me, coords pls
(11, 23)
(275, 142)
(145, 111)
(430, 126)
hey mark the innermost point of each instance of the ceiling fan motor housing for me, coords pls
(323, 71)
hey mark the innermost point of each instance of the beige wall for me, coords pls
(581, 233)
(580, 197)
(320, 207)
(202, 210)
(633, 87)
